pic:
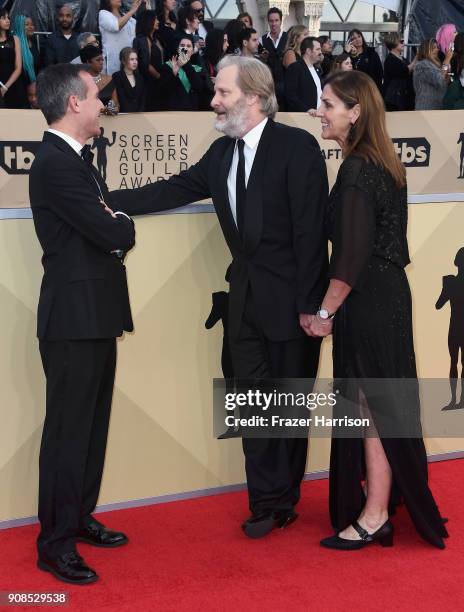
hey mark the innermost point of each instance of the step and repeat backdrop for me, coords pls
(161, 437)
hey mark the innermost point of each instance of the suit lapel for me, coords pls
(61, 144)
(222, 202)
(256, 181)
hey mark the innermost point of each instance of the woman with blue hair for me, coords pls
(12, 89)
(23, 27)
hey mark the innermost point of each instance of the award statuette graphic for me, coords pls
(101, 143)
(453, 291)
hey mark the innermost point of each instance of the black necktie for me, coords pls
(87, 155)
(240, 189)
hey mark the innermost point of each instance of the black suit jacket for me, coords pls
(84, 288)
(208, 25)
(283, 256)
(300, 88)
(275, 56)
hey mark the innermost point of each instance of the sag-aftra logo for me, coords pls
(16, 156)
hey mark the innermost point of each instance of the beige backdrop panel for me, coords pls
(161, 434)
(143, 147)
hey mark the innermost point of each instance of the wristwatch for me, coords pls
(325, 315)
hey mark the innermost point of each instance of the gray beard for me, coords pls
(235, 124)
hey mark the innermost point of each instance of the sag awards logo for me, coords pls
(141, 158)
(135, 159)
(16, 157)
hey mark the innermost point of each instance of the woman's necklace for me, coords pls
(97, 78)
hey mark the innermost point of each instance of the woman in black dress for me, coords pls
(130, 87)
(167, 25)
(215, 49)
(398, 91)
(368, 304)
(12, 86)
(364, 58)
(93, 58)
(151, 57)
(30, 56)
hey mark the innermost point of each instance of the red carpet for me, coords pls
(191, 555)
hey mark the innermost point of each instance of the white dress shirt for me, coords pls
(274, 42)
(317, 81)
(251, 140)
(72, 142)
(202, 31)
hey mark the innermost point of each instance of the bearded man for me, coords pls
(268, 183)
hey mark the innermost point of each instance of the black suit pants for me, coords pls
(274, 466)
(80, 379)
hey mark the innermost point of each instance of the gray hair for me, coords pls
(254, 78)
(54, 87)
(82, 39)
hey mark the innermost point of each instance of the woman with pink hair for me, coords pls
(445, 36)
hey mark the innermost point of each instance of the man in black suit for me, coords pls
(83, 307)
(302, 82)
(268, 183)
(274, 43)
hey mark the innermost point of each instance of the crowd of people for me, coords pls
(157, 57)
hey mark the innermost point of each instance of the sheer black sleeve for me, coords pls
(353, 236)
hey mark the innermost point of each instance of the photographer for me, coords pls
(187, 26)
(181, 79)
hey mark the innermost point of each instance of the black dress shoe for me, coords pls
(69, 567)
(98, 535)
(383, 535)
(259, 525)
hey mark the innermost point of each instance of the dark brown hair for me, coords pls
(368, 137)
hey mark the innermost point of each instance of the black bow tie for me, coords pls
(87, 154)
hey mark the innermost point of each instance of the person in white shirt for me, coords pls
(274, 43)
(117, 30)
(268, 183)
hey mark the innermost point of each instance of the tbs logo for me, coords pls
(16, 157)
(413, 152)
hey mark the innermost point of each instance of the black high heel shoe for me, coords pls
(383, 535)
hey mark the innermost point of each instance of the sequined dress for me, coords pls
(372, 339)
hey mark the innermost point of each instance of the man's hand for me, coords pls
(320, 328)
(107, 208)
(305, 322)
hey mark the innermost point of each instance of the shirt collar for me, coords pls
(72, 142)
(253, 137)
(276, 42)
